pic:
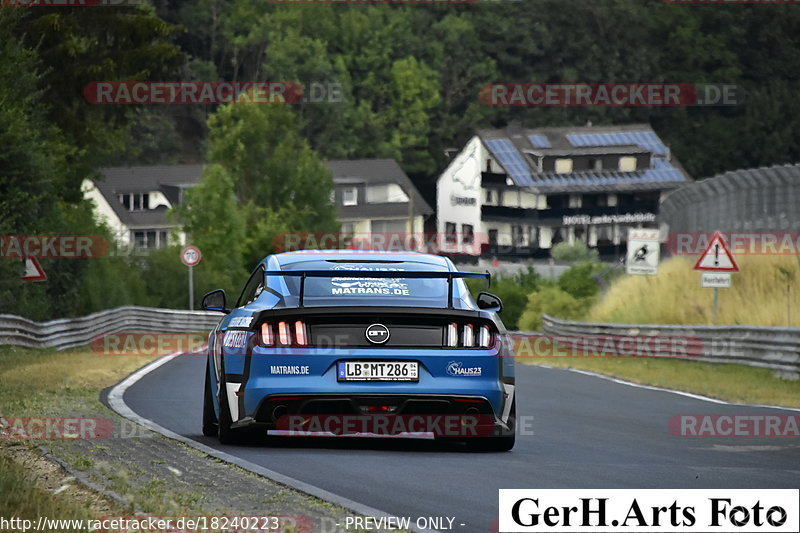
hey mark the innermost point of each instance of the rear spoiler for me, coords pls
(405, 274)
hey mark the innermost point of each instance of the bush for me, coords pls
(551, 301)
(513, 289)
(576, 252)
(579, 281)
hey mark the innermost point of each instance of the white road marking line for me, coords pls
(662, 389)
(117, 402)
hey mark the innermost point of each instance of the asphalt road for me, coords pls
(588, 433)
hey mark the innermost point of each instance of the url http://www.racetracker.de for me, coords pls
(160, 524)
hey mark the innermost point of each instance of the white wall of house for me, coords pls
(459, 196)
(158, 199)
(104, 213)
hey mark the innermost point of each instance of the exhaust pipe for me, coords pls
(278, 412)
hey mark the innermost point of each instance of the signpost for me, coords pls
(715, 265)
(644, 249)
(190, 256)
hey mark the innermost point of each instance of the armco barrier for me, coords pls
(775, 348)
(767, 347)
(69, 332)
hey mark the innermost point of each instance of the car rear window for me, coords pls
(348, 288)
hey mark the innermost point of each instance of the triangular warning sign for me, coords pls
(716, 257)
(33, 271)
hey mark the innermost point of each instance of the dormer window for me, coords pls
(627, 164)
(350, 196)
(136, 201)
(563, 166)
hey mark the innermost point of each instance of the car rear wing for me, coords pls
(405, 274)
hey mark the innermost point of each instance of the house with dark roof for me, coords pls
(376, 196)
(372, 196)
(517, 192)
(133, 202)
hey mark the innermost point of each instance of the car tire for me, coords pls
(497, 443)
(209, 416)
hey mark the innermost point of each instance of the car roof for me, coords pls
(289, 258)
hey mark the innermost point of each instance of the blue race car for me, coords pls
(347, 342)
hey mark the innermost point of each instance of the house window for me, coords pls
(350, 196)
(595, 164)
(134, 201)
(388, 226)
(450, 232)
(467, 234)
(489, 196)
(348, 228)
(150, 239)
(627, 164)
(563, 166)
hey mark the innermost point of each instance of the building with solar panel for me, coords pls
(515, 193)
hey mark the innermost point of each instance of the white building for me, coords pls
(517, 192)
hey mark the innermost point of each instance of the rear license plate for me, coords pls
(378, 371)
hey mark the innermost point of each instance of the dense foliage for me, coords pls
(402, 81)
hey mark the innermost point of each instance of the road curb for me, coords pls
(116, 402)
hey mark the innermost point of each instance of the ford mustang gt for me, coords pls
(353, 343)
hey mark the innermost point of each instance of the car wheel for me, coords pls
(497, 443)
(209, 416)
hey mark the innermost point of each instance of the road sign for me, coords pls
(33, 270)
(717, 257)
(715, 280)
(191, 256)
(644, 250)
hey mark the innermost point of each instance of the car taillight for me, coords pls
(452, 335)
(484, 337)
(284, 335)
(267, 339)
(300, 333)
(467, 338)
(289, 334)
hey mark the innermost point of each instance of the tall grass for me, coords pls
(674, 296)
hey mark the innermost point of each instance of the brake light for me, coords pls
(267, 338)
(467, 338)
(283, 333)
(452, 335)
(300, 333)
(484, 337)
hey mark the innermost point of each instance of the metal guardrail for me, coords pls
(774, 348)
(70, 332)
(777, 349)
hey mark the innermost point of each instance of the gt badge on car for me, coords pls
(377, 334)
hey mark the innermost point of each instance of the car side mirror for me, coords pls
(215, 301)
(490, 302)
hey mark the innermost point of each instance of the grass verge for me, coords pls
(20, 497)
(729, 382)
(37, 382)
